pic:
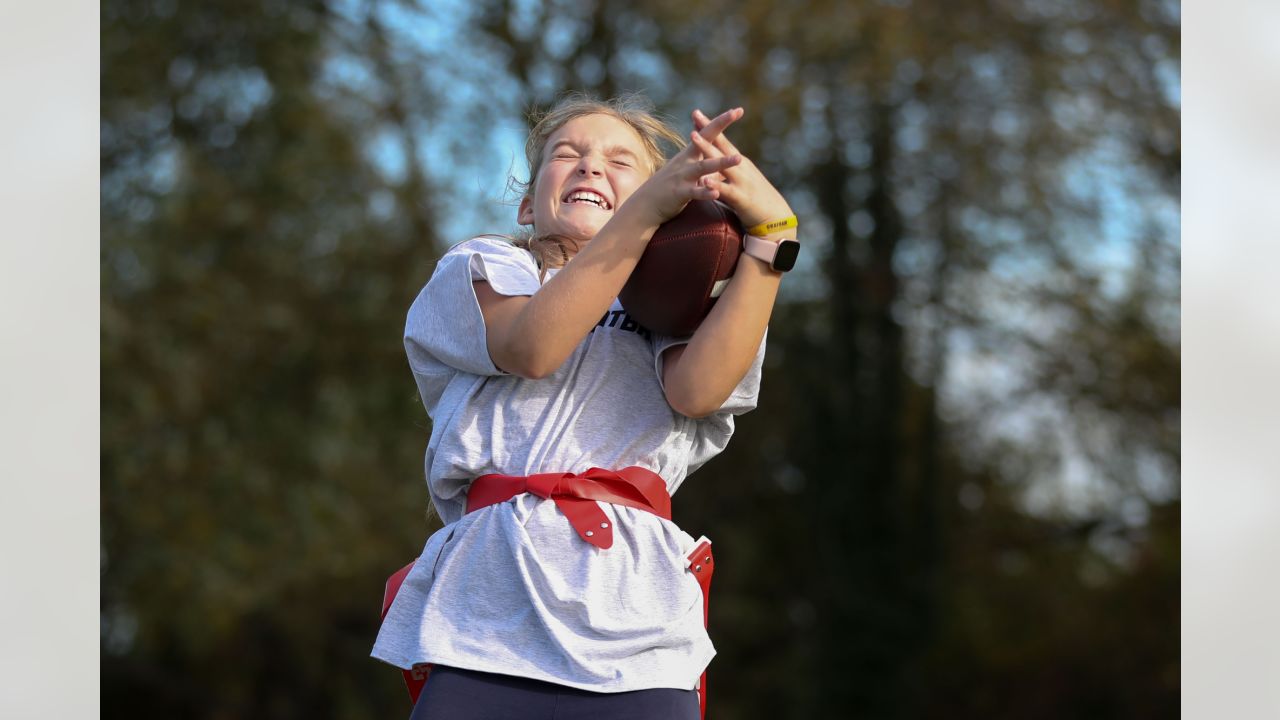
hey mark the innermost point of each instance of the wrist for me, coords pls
(638, 217)
(779, 236)
(779, 253)
(774, 222)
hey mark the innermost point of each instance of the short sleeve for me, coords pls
(711, 434)
(745, 394)
(444, 332)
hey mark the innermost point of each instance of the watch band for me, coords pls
(779, 254)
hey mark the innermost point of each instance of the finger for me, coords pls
(722, 143)
(717, 164)
(714, 127)
(700, 192)
(689, 151)
(710, 151)
(701, 121)
(727, 192)
(704, 146)
(720, 122)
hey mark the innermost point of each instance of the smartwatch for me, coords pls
(780, 255)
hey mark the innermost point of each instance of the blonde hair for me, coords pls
(633, 109)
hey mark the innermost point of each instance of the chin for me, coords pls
(581, 232)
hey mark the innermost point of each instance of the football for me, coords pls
(684, 269)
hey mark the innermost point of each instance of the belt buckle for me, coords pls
(698, 557)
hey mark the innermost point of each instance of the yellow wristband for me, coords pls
(773, 226)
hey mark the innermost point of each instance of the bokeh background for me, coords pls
(960, 494)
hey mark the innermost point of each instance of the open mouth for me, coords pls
(589, 197)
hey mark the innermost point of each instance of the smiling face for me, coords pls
(590, 166)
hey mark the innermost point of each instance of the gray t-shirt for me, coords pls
(511, 588)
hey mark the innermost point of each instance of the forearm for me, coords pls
(702, 375)
(562, 312)
(722, 349)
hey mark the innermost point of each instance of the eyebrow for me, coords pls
(609, 151)
(620, 150)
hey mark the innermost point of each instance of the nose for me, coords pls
(589, 165)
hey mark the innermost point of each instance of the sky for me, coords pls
(480, 202)
(49, 273)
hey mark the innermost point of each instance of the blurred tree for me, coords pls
(262, 438)
(961, 496)
(974, 179)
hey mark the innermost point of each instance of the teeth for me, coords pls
(585, 196)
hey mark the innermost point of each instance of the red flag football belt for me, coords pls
(576, 496)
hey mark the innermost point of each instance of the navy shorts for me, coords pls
(455, 694)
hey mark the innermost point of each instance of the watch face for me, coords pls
(788, 251)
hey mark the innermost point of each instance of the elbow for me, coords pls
(527, 365)
(690, 404)
(540, 365)
(535, 372)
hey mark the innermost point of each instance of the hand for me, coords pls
(742, 186)
(690, 175)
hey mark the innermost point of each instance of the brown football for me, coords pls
(683, 270)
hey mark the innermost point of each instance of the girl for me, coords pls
(537, 599)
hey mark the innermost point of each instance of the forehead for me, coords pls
(600, 131)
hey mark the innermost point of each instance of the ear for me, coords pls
(524, 216)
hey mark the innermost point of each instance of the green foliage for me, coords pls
(959, 496)
(262, 437)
